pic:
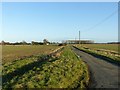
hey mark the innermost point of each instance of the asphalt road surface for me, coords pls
(102, 73)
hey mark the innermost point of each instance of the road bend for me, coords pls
(102, 73)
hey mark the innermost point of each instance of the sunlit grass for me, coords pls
(11, 52)
(65, 71)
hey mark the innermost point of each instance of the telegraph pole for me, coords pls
(79, 37)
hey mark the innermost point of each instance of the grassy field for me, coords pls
(109, 51)
(113, 47)
(11, 53)
(64, 71)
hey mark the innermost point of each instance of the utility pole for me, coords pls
(79, 37)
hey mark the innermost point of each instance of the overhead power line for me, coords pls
(91, 28)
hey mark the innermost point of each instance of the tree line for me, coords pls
(45, 42)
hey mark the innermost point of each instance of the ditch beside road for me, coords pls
(102, 73)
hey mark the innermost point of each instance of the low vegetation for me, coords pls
(63, 70)
(15, 52)
(112, 55)
(111, 47)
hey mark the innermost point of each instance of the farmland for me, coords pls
(11, 53)
(63, 70)
(105, 50)
(50, 66)
(112, 47)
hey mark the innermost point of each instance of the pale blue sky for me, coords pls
(59, 21)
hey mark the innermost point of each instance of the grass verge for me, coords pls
(107, 56)
(65, 71)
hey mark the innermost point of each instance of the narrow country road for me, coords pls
(102, 73)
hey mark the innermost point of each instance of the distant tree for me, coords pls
(2, 42)
(21, 43)
(40, 43)
(32, 42)
(36, 43)
(5, 43)
(45, 41)
(16, 43)
(52, 42)
(24, 42)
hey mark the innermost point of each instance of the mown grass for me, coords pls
(13, 52)
(65, 71)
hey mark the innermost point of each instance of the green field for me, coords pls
(105, 50)
(11, 53)
(64, 71)
(29, 66)
(113, 47)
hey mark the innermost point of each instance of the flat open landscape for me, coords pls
(62, 69)
(59, 44)
(14, 52)
(112, 47)
(52, 66)
(109, 51)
